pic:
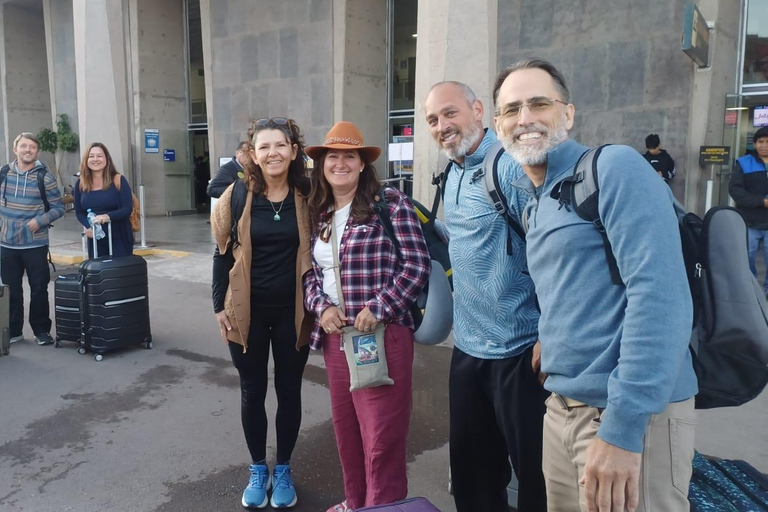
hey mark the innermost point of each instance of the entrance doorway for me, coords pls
(744, 115)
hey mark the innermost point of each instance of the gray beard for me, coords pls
(468, 140)
(534, 154)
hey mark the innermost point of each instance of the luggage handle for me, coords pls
(109, 239)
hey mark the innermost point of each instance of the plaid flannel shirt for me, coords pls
(373, 274)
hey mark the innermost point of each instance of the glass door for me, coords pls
(744, 115)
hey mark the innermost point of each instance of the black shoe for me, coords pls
(43, 339)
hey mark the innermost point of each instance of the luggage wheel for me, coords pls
(98, 357)
(81, 351)
(57, 344)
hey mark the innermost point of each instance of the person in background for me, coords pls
(27, 209)
(749, 189)
(659, 159)
(106, 193)
(230, 171)
(258, 297)
(379, 282)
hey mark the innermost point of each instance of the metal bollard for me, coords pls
(141, 217)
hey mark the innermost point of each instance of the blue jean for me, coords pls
(754, 236)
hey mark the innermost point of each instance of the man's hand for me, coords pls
(224, 324)
(611, 478)
(332, 320)
(365, 321)
(536, 363)
(33, 225)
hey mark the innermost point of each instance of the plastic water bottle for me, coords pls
(98, 231)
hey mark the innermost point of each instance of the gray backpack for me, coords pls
(729, 342)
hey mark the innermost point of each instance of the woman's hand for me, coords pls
(101, 219)
(89, 232)
(365, 321)
(332, 320)
(224, 324)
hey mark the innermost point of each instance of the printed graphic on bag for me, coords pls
(366, 349)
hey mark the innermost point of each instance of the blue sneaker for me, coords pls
(255, 495)
(283, 492)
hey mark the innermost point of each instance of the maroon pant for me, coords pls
(371, 425)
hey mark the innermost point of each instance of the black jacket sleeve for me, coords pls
(743, 197)
(226, 176)
(222, 264)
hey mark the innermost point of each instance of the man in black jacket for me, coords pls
(228, 173)
(749, 188)
(659, 158)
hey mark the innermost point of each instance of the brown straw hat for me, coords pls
(344, 135)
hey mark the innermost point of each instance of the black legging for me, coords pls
(271, 325)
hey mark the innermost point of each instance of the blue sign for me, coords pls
(169, 155)
(151, 140)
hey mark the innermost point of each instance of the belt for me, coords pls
(569, 403)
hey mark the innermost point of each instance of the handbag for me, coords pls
(365, 353)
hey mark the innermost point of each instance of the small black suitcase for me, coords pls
(5, 319)
(66, 293)
(115, 303)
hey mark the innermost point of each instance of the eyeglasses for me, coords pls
(264, 121)
(536, 105)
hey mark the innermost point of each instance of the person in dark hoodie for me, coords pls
(659, 159)
(749, 188)
(229, 172)
(30, 201)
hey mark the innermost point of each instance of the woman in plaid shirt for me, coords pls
(378, 283)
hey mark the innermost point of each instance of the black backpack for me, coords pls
(489, 173)
(40, 184)
(729, 342)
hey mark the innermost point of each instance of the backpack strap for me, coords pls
(495, 195)
(237, 205)
(439, 182)
(582, 191)
(41, 186)
(3, 175)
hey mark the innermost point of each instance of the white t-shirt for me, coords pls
(324, 254)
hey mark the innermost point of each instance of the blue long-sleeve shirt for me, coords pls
(619, 347)
(118, 204)
(494, 311)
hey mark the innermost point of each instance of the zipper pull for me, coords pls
(699, 268)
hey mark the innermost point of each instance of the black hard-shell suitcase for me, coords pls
(66, 293)
(115, 303)
(5, 319)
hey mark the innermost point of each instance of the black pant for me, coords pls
(497, 410)
(13, 264)
(271, 325)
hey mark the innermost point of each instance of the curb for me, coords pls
(65, 259)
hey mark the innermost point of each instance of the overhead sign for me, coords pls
(151, 140)
(695, 35)
(714, 155)
(169, 155)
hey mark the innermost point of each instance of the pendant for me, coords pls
(276, 217)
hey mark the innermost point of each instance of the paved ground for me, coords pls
(159, 430)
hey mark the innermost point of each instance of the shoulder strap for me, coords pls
(41, 187)
(4, 173)
(237, 205)
(439, 182)
(382, 211)
(494, 193)
(582, 191)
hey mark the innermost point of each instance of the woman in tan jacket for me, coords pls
(259, 262)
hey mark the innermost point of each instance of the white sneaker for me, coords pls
(17, 339)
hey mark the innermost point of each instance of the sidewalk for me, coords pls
(175, 236)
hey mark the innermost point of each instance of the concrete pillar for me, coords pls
(62, 74)
(158, 65)
(710, 85)
(103, 82)
(360, 68)
(26, 101)
(443, 52)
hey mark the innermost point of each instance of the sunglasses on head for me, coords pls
(265, 121)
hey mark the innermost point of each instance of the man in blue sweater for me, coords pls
(24, 240)
(620, 423)
(496, 399)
